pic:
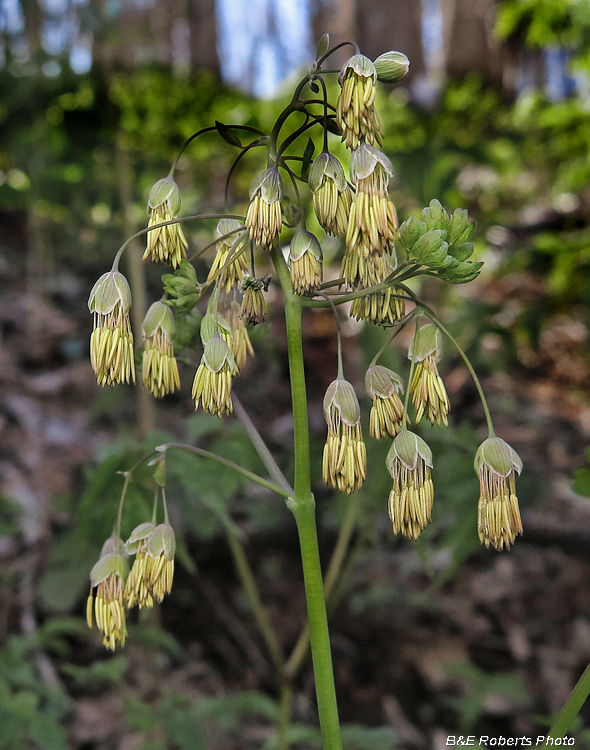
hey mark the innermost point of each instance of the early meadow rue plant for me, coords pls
(378, 257)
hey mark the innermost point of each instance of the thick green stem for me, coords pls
(303, 508)
(574, 703)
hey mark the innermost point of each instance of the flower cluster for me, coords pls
(114, 589)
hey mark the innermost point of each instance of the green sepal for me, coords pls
(326, 166)
(216, 353)
(108, 564)
(497, 456)
(365, 158)
(162, 541)
(342, 396)
(225, 226)
(208, 327)
(267, 184)
(111, 289)
(304, 242)
(408, 448)
(428, 340)
(382, 382)
(228, 134)
(113, 544)
(159, 316)
(138, 534)
(165, 190)
(361, 65)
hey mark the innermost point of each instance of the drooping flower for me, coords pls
(384, 307)
(355, 108)
(165, 244)
(409, 462)
(111, 343)
(161, 546)
(137, 588)
(332, 196)
(159, 366)
(372, 222)
(254, 309)
(231, 275)
(428, 391)
(305, 262)
(498, 516)
(344, 463)
(106, 605)
(264, 220)
(241, 345)
(213, 379)
(383, 386)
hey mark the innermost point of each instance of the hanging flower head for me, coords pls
(159, 366)
(213, 379)
(305, 262)
(428, 391)
(165, 244)
(345, 457)
(372, 224)
(409, 462)
(384, 307)
(106, 604)
(241, 345)
(332, 196)
(355, 108)
(383, 386)
(498, 516)
(137, 589)
(231, 275)
(111, 343)
(254, 309)
(264, 220)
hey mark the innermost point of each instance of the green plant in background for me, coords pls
(380, 258)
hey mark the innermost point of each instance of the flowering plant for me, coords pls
(379, 258)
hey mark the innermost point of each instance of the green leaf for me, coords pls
(323, 46)
(182, 725)
(358, 737)
(111, 670)
(47, 733)
(307, 157)
(228, 134)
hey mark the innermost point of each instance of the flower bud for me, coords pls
(499, 522)
(391, 66)
(409, 462)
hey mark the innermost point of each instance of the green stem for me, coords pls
(240, 469)
(572, 707)
(258, 608)
(334, 568)
(284, 716)
(260, 446)
(303, 507)
(465, 358)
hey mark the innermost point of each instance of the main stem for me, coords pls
(303, 508)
